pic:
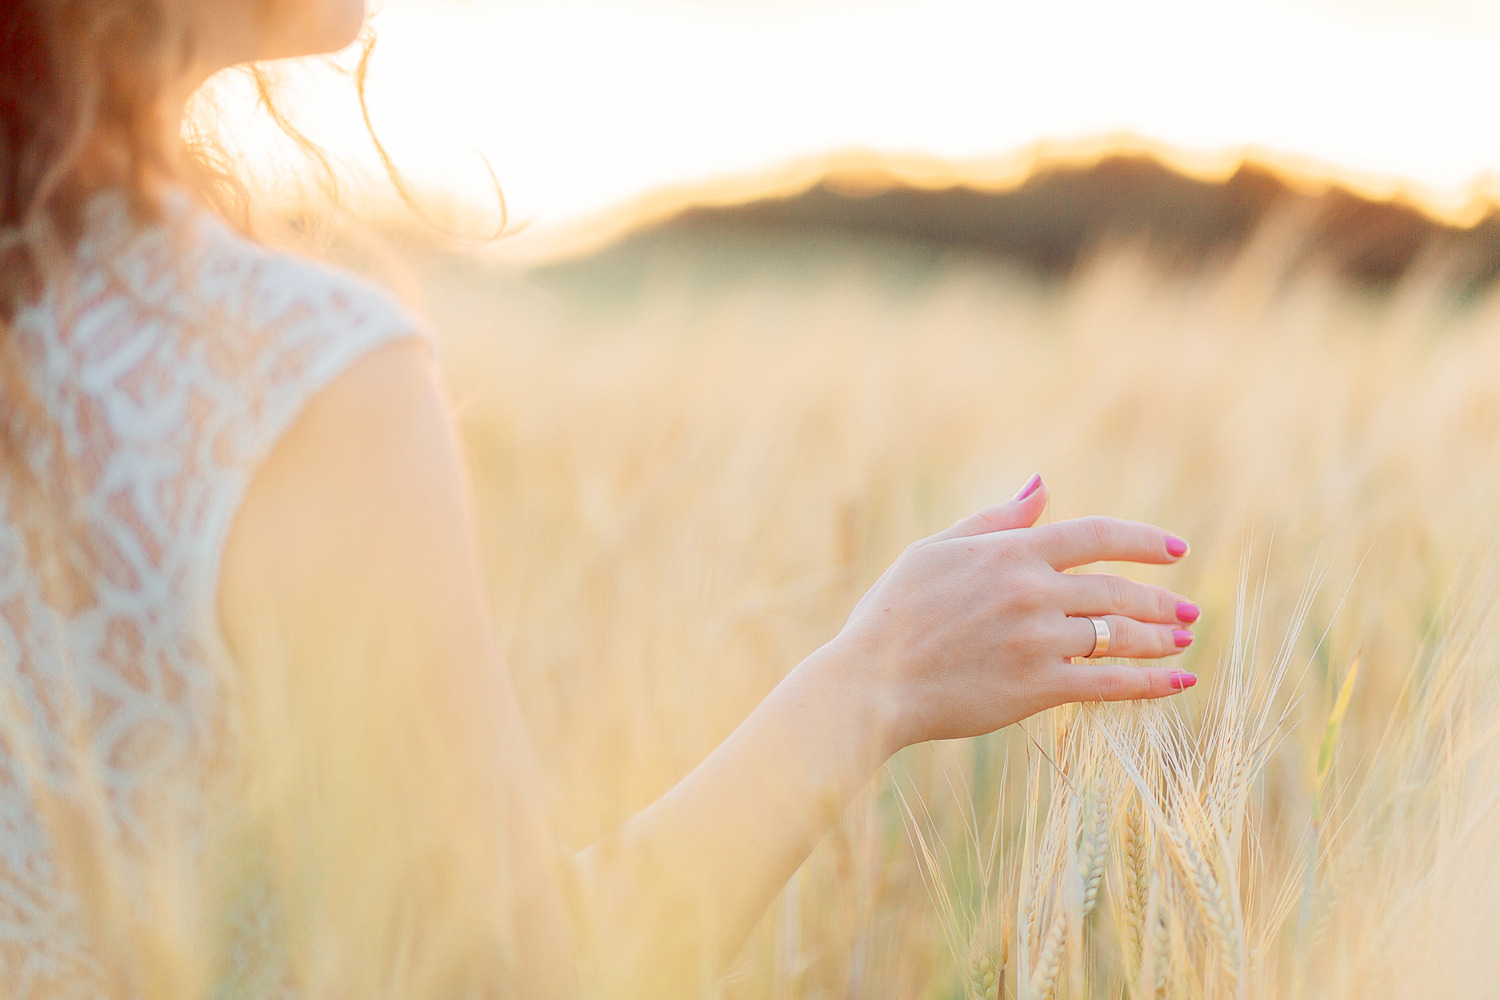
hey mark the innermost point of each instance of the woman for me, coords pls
(257, 733)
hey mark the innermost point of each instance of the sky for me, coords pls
(580, 105)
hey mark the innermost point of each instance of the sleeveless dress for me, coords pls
(138, 400)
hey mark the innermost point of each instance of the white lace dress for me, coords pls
(136, 404)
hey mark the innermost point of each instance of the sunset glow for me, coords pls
(581, 105)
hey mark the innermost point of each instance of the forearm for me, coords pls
(674, 892)
(971, 630)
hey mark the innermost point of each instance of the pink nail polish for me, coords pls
(1176, 547)
(1182, 680)
(1031, 486)
(1182, 637)
(1187, 612)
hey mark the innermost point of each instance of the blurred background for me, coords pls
(789, 285)
(582, 105)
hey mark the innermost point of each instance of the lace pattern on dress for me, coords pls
(137, 404)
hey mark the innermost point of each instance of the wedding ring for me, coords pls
(1101, 637)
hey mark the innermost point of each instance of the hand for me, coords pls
(975, 627)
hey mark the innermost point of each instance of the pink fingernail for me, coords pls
(1182, 637)
(1032, 485)
(1182, 680)
(1176, 547)
(1187, 612)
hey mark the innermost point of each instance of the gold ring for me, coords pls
(1101, 637)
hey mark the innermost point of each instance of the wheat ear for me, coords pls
(986, 977)
(1093, 848)
(1049, 960)
(1137, 865)
(1213, 902)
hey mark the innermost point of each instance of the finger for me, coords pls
(1115, 682)
(1021, 512)
(1104, 594)
(1087, 540)
(1128, 638)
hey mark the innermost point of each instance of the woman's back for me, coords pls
(145, 388)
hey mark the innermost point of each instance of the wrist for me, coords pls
(845, 678)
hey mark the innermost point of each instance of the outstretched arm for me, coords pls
(970, 630)
(399, 791)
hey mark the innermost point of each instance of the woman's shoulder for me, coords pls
(172, 359)
(291, 296)
(189, 281)
(253, 298)
(285, 325)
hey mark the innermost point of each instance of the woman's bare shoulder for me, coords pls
(360, 512)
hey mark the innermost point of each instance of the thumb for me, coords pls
(1021, 512)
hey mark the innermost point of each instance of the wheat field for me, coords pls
(684, 485)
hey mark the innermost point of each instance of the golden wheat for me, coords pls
(685, 479)
(1135, 853)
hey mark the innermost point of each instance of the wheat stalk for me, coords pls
(1062, 839)
(1214, 905)
(1152, 971)
(1049, 960)
(987, 977)
(1135, 854)
(1093, 848)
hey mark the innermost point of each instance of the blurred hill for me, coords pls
(1046, 225)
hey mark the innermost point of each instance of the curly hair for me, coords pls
(82, 108)
(81, 83)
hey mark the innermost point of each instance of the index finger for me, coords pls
(1085, 540)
